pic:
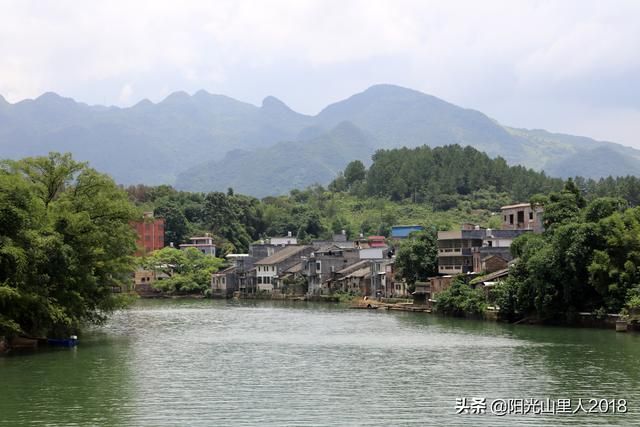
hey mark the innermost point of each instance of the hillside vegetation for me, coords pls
(438, 188)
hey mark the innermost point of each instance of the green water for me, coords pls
(224, 363)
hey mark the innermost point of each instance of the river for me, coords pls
(204, 362)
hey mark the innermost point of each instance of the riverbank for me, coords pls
(201, 362)
(581, 320)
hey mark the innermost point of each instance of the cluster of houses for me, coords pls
(364, 266)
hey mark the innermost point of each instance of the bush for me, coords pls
(460, 300)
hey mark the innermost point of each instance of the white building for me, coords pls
(203, 244)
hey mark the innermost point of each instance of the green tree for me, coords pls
(460, 299)
(354, 172)
(417, 257)
(189, 270)
(65, 243)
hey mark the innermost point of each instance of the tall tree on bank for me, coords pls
(65, 242)
(417, 257)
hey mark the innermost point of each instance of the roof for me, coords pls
(296, 268)
(353, 267)
(491, 277)
(281, 255)
(363, 272)
(376, 238)
(225, 271)
(517, 205)
(330, 247)
(404, 230)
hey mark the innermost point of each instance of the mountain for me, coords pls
(212, 142)
(283, 166)
(148, 142)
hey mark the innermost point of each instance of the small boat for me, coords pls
(72, 341)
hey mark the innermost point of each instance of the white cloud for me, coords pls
(493, 55)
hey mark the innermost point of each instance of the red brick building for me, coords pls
(150, 234)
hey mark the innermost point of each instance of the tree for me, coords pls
(460, 299)
(65, 243)
(417, 257)
(189, 270)
(354, 172)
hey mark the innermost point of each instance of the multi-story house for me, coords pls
(269, 270)
(204, 244)
(323, 264)
(150, 232)
(522, 216)
(455, 249)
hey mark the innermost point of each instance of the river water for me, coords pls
(204, 362)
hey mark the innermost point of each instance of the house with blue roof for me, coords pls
(403, 231)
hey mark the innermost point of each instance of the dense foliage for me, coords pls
(417, 257)
(65, 244)
(588, 259)
(460, 299)
(189, 270)
(442, 176)
(315, 212)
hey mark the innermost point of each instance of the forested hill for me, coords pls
(441, 175)
(206, 142)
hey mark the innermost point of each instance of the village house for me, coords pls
(394, 288)
(422, 293)
(224, 282)
(400, 232)
(522, 216)
(233, 278)
(455, 249)
(143, 281)
(150, 231)
(358, 282)
(204, 244)
(495, 252)
(270, 269)
(322, 265)
(283, 241)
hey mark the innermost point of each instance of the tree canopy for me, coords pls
(65, 244)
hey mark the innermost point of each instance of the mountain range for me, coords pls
(205, 142)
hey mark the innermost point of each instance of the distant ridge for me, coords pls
(211, 142)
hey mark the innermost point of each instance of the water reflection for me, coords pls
(247, 363)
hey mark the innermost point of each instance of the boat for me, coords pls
(72, 341)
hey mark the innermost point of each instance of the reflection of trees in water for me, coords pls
(88, 385)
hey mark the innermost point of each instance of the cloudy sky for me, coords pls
(567, 66)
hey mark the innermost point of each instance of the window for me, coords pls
(318, 266)
(511, 219)
(260, 280)
(505, 218)
(530, 215)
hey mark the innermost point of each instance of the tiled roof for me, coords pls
(353, 267)
(281, 255)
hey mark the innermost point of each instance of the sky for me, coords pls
(565, 66)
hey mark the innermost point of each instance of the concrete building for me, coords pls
(150, 232)
(269, 269)
(465, 251)
(283, 241)
(204, 244)
(522, 216)
(322, 265)
(455, 250)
